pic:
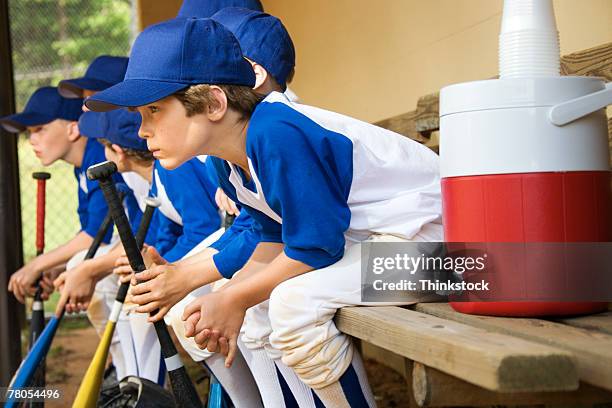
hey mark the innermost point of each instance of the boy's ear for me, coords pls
(118, 151)
(216, 110)
(260, 75)
(121, 157)
(73, 131)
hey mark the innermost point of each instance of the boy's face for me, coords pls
(51, 141)
(171, 135)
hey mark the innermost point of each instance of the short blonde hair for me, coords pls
(197, 98)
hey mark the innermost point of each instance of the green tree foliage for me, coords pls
(55, 39)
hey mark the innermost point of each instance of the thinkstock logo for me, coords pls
(421, 271)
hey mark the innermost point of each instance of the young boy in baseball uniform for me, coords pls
(51, 123)
(316, 184)
(267, 44)
(187, 214)
(134, 347)
(103, 72)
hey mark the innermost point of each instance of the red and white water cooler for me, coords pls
(525, 158)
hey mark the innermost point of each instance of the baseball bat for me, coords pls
(24, 374)
(37, 320)
(183, 389)
(216, 394)
(89, 390)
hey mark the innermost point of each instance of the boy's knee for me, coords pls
(256, 328)
(286, 304)
(278, 298)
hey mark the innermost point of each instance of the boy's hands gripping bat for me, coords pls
(88, 393)
(182, 387)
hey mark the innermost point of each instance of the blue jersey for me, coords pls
(319, 178)
(238, 242)
(92, 206)
(240, 239)
(141, 190)
(188, 210)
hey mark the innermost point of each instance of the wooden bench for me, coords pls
(453, 359)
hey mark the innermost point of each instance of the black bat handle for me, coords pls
(123, 225)
(141, 234)
(107, 223)
(183, 389)
(145, 222)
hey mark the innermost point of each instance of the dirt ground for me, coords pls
(76, 343)
(72, 349)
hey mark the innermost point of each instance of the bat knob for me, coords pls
(101, 170)
(41, 175)
(152, 202)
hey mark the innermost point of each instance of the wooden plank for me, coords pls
(600, 322)
(596, 61)
(428, 113)
(434, 141)
(403, 124)
(409, 369)
(433, 388)
(488, 359)
(592, 350)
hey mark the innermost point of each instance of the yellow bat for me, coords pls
(89, 390)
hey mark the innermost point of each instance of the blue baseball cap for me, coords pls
(173, 55)
(263, 39)
(119, 127)
(206, 8)
(103, 72)
(44, 106)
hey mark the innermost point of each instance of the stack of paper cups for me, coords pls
(528, 41)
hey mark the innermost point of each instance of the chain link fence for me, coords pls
(54, 40)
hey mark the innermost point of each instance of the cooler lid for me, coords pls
(515, 93)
